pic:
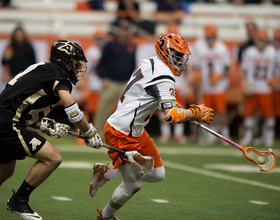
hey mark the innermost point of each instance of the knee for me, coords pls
(57, 159)
(130, 189)
(54, 160)
(136, 186)
(157, 175)
(160, 175)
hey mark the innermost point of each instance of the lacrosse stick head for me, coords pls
(145, 164)
(266, 160)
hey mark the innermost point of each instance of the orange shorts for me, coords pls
(276, 103)
(143, 144)
(259, 101)
(216, 101)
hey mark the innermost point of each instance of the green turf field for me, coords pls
(212, 182)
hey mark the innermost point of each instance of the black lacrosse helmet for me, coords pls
(63, 52)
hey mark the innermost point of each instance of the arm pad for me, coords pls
(74, 113)
(175, 116)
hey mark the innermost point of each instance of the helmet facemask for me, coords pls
(77, 69)
(177, 60)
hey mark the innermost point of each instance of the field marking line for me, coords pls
(241, 168)
(219, 175)
(160, 200)
(258, 202)
(61, 198)
(79, 164)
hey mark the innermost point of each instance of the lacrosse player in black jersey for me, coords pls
(25, 101)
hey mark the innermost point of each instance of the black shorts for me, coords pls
(16, 142)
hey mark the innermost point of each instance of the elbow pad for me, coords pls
(175, 116)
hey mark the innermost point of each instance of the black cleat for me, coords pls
(22, 209)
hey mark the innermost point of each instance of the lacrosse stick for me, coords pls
(145, 164)
(266, 160)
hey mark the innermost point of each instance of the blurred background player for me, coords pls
(128, 10)
(151, 86)
(275, 83)
(258, 65)
(93, 54)
(18, 55)
(169, 11)
(114, 68)
(212, 60)
(251, 30)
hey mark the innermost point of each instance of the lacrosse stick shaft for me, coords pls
(216, 134)
(103, 145)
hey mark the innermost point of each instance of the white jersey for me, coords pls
(277, 70)
(150, 83)
(211, 61)
(259, 67)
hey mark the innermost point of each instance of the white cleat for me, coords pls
(99, 216)
(98, 178)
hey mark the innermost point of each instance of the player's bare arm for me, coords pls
(68, 100)
(76, 116)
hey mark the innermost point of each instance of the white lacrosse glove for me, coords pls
(53, 128)
(92, 137)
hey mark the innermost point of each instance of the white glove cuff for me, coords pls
(91, 132)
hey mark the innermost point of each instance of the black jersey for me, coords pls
(32, 94)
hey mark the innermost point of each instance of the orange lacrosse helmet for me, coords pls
(276, 34)
(210, 30)
(174, 51)
(262, 35)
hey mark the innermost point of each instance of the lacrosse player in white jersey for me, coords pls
(151, 86)
(258, 66)
(212, 60)
(276, 81)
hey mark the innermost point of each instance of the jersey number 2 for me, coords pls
(137, 75)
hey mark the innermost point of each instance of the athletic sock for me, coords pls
(178, 130)
(165, 129)
(225, 131)
(248, 133)
(24, 191)
(108, 211)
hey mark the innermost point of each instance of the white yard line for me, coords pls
(240, 168)
(218, 175)
(79, 164)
